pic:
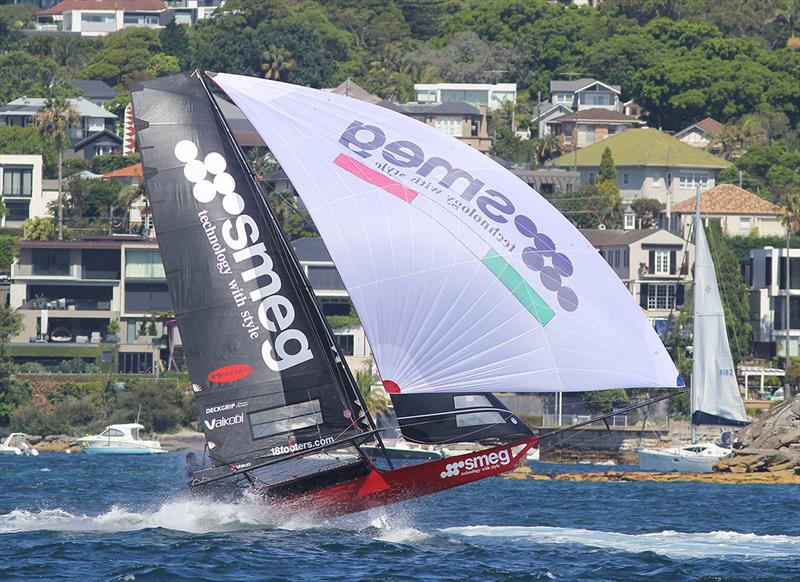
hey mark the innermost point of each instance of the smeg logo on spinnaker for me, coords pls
(230, 373)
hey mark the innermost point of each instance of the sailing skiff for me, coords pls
(466, 281)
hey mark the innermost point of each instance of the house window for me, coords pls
(97, 17)
(626, 258)
(661, 262)
(694, 179)
(625, 179)
(591, 177)
(143, 264)
(630, 220)
(17, 181)
(17, 211)
(346, 343)
(325, 278)
(661, 296)
(101, 150)
(745, 225)
(135, 363)
(450, 125)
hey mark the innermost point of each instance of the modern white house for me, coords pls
(24, 191)
(102, 17)
(68, 292)
(739, 212)
(765, 276)
(654, 264)
(650, 164)
(491, 96)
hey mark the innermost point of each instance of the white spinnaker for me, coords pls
(456, 291)
(715, 390)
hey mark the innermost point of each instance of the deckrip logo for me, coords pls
(241, 234)
(477, 463)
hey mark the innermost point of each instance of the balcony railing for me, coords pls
(68, 304)
(99, 274)
(34, 270)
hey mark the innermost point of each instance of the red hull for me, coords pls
(380, 488)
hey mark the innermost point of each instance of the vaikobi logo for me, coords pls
(213, 423)
(476, 464)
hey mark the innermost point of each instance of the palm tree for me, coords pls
(277, 62)
(376, 401)
(548, 147)
(54, 121)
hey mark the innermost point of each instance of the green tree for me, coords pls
(8, 251)
(733, 291)
(109, 162)
(646, 209)
(376, 401)
(603, 401)
(608, 189)
(40, 228)
(162, 65)
(277, 62)
(174, 40)
(22, 74)
(28, 141)
(54, 121)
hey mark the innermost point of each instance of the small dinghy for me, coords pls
(15, 444)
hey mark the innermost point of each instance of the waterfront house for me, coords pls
(654, 265)
(650, 164)
(739, 212)
(457, 119)
(79, 287)
(92, 117)
(102, 17)
(26, 194)
(765, 276)
(588, 126)
(701, 134)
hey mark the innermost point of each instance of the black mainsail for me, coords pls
(268, 375)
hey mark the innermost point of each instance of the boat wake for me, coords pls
(673, 544)
(199, 517)
(188, 515)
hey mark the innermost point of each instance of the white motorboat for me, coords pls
(120, 439)
(715, 398)
(695, 458)
(15, 444)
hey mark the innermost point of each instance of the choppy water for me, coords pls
(67, 517)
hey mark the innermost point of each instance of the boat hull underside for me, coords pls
(378, 488)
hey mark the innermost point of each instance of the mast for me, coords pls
(698, 224)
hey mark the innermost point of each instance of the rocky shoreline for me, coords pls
(786, 477)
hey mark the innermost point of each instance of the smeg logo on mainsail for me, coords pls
(242, 235)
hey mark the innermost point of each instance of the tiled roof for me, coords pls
(349, 88)
(607, 238)
(93, 88)
(707, 125)
(449, 108)
(598, 114)
(132, 171)
(643, 147)
(130, 5)
(577, 85)
(30, 105)
(729, 199)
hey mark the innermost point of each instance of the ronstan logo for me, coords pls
(230, 373)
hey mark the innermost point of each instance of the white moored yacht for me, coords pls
(119, 439)
(715, 398)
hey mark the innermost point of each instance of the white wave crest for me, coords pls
(668, 543)
(190, 515)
